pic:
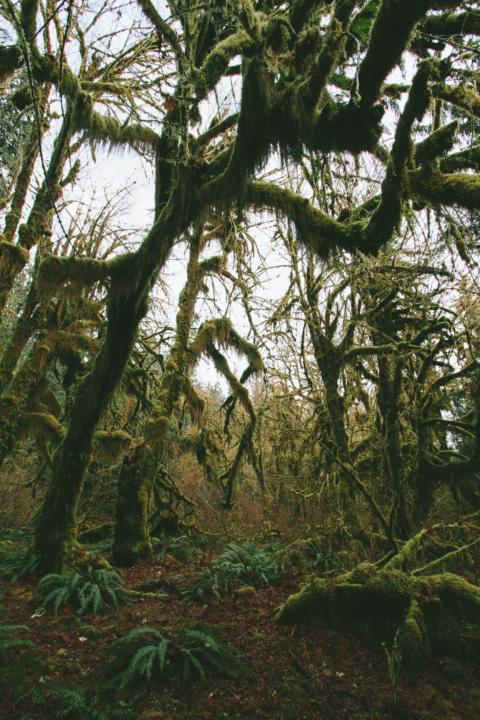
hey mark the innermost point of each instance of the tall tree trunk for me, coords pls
(139, 470)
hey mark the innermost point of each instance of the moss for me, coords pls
(10, 60)
(132, 538)
(55, 271)
(436, 144)
(110, 445)
(438, 189)
(460, 95)
(28, 14)
(13, 259)
(413, 615)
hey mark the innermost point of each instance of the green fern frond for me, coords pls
(9, 638)
(89, 590)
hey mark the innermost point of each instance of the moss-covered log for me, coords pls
(413, 616)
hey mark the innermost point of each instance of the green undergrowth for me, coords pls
(88, 590)
(16, 559)
(146, 654)
(239, 564)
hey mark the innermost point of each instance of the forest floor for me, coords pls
(291, 673)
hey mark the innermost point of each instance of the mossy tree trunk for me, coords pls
(139, 470)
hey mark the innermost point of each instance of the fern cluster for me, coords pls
(90, 590)
(146, 654)
(239, 564)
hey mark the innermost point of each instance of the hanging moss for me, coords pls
(316, 230)
(40, 425)
(22, 98)
(56, 271)
(11, 59)
(13, 259)
(350, 128)
(109, 446)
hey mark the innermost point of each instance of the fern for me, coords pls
(239, 564)
(16, 563)
(204, 653)
(139, 656)
(69, 702)
(145, 654)
(92, 590)
(9, 638)
(205, 584)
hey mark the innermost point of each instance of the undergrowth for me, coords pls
(239, 564)
(90, 590)
(145, 654)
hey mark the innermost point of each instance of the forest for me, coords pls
(239, 359)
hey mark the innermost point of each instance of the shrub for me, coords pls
(93, 589)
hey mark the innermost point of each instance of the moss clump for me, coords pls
(56, 271)
(109, 446)
(41, 425)
(13, 258)
(10, 60)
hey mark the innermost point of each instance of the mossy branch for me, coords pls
(55, 271)
(438, 143)
(436, 188)
(449, 24)
(440, 563)
(387, 216)
(389, 37)
(460, 95)
(315, 229)
(216, 63)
